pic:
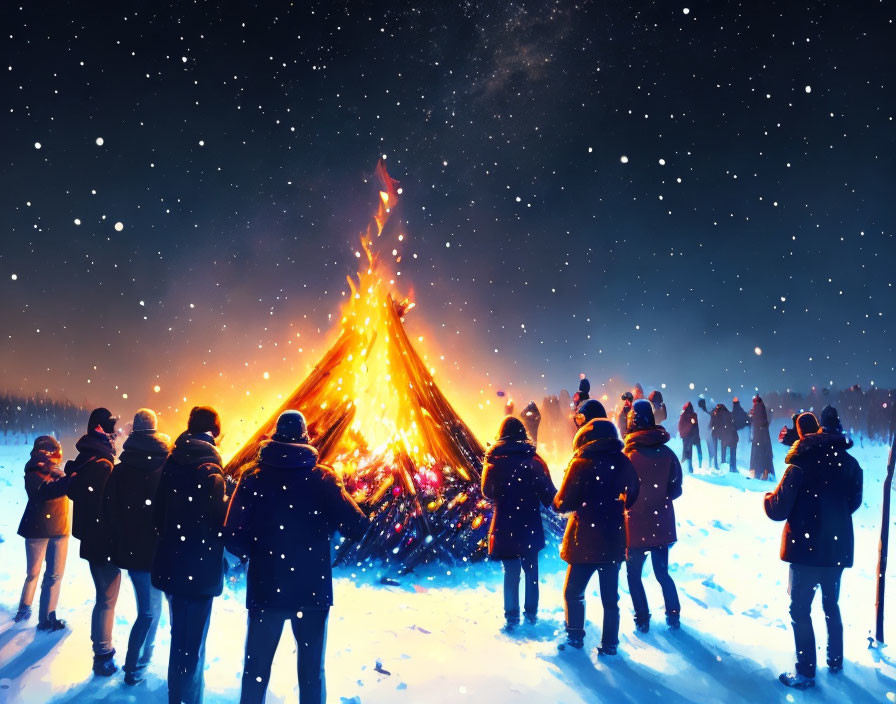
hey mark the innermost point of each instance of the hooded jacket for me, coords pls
(283, 514)
(650, 522)
(659, 407)
(739, 417)
(688, 424)
(47, 513)
(188, 515)
(92, 468)
(820, 490)
(722, 426)
(599, 484)
(517, 482)
(128, 501)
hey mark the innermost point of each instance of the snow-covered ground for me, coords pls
(435, 637)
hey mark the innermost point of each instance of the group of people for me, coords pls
(165, 514)
(619, 500)
(619, 494)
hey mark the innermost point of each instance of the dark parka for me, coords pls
(820, 490)
(650, 522)
(599, 484)
(517, 482)
(128, 503)
(722, 426)
(282, 516)
(688, 424)
(739, 417)
(188, 514)
(92, 468)
(47, 513)
(761, 461)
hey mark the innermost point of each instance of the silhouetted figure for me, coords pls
(725, 436)
(740, 421)
(689, 432)
(599, 484)
(583, 394)
(650, 522)
(531, 419)
(45, 528)
(622, 414)
(788, 434)
(711, 449)
(659, 408)
(188, 513)
(282, 518)
(93, 465)
(761, 462)
(128, 519)
(517, 482)
(820, 490)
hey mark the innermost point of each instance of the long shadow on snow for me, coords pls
(30, 657)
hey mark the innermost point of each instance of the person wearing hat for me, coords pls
(588, 411)
(689, 432)
(599, 484)
(93, 466)
(45, 526)
(282, 517)
(188, 514)
(820, 490)
(762, 464)
(517, 482)
(650, 521)
(622, 417)
(128, 519)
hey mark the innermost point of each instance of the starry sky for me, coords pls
(649, 192)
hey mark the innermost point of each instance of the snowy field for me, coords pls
(436, 637)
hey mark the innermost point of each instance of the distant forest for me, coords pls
(24, 418)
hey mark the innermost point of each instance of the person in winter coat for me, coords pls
(188, 514)
(93, 466)
(650, 522)
(659, 408)
(761, 462)
(820, 490)
(588, 411)
(740, 421)
(599, 484)
(45, 526)
(281, 518)
(128, 519)
(725, 436)
(584, 392)
(637, 392)
(711, 448)
(622, 415)
(788, 434)
(689, 432)
(531, 419)
(517, 482)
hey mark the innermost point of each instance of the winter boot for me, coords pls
(606, 650)
(132, 679)
(673, 620)
(796, 680)
(531, 619)
(572, 643)
(510, 625)
(51, 624)
(642, 623)
(835, 667)
(104, 665)
(23, 614)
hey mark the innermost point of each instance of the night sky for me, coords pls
(640, 193)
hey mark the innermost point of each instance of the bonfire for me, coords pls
(378, 418)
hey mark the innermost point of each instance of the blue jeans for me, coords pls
(512, 567)
(37, 550)
(143, 632)
(107, 581)
(803, 581)
(265, 629)
(577, 577)
(634, 567)
(190, 617)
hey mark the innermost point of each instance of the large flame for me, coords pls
(378, 418)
